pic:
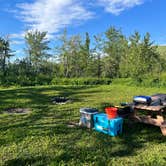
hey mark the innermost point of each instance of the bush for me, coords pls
(81, 81)
(42, 79)
(145, 82)
(124, 81)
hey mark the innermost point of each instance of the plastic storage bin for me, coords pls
(111, 127)
(86, 119)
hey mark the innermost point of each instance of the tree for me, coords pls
(74, 55)
(62, 51)
(115, 48)
(141, 59)
(85, 56)
(76, 67)
(149, 53)
(130, 62)
(25, 73)
(5, 54)
(37, 47)
(98, 51)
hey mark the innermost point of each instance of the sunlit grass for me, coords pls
(43, 137)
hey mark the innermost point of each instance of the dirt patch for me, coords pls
(18, 110)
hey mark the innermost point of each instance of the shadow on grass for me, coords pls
(27, 161)
(87, 146)
(39, 96)
(103, 148)
(78, 145)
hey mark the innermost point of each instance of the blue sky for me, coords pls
(80, 16)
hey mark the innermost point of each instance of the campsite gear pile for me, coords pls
(108, 123)
(111, 122)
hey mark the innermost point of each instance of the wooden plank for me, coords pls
(148, 120)
(163, 130)
(163, 124)
(150, 108)
(161, 118)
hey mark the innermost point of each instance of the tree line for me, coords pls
(107, 55)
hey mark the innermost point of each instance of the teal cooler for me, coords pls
(112, 127)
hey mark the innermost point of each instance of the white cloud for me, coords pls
(17, 35)
(17, 38)
(17, 42)
(18, 52)
(55, 15)
(52, 15)
(117, 6)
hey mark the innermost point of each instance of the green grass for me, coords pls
(42, 137)
(162, 51)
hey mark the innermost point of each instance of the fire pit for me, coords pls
(60, 100)
(17, 110)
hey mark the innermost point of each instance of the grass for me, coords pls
(162, 51)
(42, 137)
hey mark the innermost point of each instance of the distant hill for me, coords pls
(162, 51)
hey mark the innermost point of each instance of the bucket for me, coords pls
(111, 112)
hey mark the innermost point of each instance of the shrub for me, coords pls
(81, 81)
(42, 79)
(145, 82)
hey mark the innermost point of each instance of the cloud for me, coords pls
(17, 42)
(18, 52)
(117, 6)
(17, 35)
(17, 38)
(52, 15)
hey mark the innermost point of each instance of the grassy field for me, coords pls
(162, 51)
(43, 137)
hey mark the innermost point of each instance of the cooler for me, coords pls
(111, 127)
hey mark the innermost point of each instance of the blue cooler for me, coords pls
(111, 127)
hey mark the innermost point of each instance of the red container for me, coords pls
(111, 112)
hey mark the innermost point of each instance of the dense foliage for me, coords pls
(105, 56)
